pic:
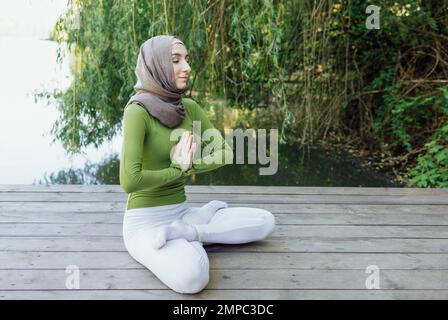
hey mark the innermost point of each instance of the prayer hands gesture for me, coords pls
(183, 152)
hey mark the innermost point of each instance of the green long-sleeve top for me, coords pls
(146, 170)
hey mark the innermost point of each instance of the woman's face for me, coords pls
(181, 67)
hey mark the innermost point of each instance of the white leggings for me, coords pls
(183, 265)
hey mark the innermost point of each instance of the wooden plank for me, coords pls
(315, 244)
(101, 207)
(360, 231)
(49, 279)
(232, 189)
(281, 231)
(211, 294)
(61, 217)
(46, 207)
(350, 218)
(229, 260)
(354, 215)
(235, 198)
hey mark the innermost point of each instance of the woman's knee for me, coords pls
(269, 225)
(193, 277)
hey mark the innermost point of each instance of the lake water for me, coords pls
(27, 155)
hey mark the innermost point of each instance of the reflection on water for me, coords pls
(105, 172)
(316, 168)
(319, 168)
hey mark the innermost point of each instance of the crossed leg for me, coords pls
(183, 265)
(233, 225)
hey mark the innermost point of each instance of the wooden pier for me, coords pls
(329, 243)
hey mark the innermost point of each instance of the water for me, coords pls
(318, 168)
(25, 144)
(300, 168)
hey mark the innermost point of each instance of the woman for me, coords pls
(160, 229)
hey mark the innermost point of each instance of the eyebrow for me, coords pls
(178, 54)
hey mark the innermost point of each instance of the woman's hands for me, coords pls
(184, 151)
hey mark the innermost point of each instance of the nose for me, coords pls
(187, 68)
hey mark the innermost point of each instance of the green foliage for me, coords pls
(401, 119)
(431, 169)
(398, 93)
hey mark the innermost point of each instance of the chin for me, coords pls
(181, 86)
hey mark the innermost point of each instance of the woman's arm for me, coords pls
(132, 176)
(221, 154)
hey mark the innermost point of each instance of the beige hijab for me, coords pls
(156, 88)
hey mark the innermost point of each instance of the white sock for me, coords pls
(176, 230)
(206, 214)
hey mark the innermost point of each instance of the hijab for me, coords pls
(156, 88)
